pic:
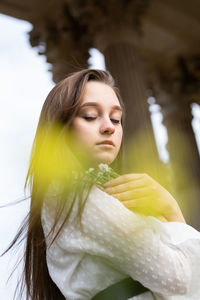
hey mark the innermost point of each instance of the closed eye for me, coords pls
(89, 118)
(94, 118)
(115, 121)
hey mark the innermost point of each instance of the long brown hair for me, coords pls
(59, 110)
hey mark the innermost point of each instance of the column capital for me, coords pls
(115, 36)
(65, 31)
(178, 78)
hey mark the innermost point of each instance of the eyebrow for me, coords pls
(116, 107)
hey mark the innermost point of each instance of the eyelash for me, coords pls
(93, 118)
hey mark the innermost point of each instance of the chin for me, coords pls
(105, 159)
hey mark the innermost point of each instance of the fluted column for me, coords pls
(124, 63)
(184, 158)
(174, 92)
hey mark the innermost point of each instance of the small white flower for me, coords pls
(89, 170)
(103, 167)
(99, 174)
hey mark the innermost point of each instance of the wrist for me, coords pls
(173, 212)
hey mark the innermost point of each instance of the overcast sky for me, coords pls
(25, 83)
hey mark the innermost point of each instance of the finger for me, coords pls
(129, 195)
(123, 196)
(134, 203)
(130, 204)
(123, 179)
(131, 185)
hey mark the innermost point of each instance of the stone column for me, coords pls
(175, 96)
(123, 61)
(184, 159)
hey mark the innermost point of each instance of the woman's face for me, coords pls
(97, 125)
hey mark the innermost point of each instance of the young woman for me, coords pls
(86, 234)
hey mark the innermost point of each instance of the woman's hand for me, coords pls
(142, 194)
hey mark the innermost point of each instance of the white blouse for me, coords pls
(113, 243)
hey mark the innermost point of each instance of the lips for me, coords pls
(106, 142)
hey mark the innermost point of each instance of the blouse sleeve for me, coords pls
(164, 257)
(137, 246)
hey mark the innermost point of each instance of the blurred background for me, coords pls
(152, 49)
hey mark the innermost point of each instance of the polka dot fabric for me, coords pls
(113, 243)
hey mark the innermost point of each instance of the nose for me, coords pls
(106, 126)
